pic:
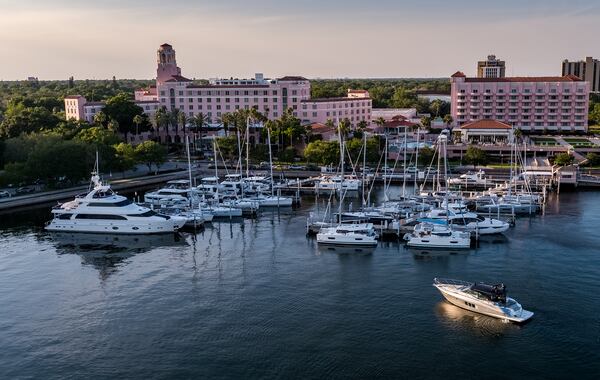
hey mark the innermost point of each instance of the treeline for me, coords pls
(386, 93)
(64, 157)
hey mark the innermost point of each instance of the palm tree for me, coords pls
(137, 120)
(174, 119)
(161, 120)
(182, 120)
(426, 121)
(100, 118)
(200, 121)
(227, 119)
(448, 119)
(344, 127)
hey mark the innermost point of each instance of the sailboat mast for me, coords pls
(417, 161)
(363, 168)
(341, 171)
(187, 150)
(404, 164)
(270, 160)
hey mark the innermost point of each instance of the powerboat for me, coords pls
(103, 211)
(482, 298)
(363, 235)
(437, 235)
(470, 179)
(348, 183)
(469, 221)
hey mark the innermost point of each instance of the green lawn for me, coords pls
(544, 141)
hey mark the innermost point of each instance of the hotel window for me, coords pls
(304, 114)
(191, 100)
(218, 106)
(227, 100)
(294, 92)
(255, 100)
(226, 93)
(237, 107)
(199, 100)
(208, 100)
(162, 93)
(265, 93)
(274, 106)
(236, 92)
(191, 107)
(180, 100)
(209, 107)
(255, 92)
(275, 114)
(180, 93)
(274, 92)
(327, 113)
(246, 93)
(218, 100)
(294, 100)
(265, 100)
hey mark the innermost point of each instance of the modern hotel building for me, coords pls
(534, 104)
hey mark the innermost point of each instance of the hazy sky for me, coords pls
(53, 39)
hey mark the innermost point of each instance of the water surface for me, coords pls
(257, 298)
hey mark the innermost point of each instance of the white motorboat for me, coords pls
(103, 211)
(348, 234)
(272, 200)
(469, 221)
(171, 195)
(470, 179)
(349, 183)
(434, 235)
(481, 298)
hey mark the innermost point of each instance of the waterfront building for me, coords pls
(588, 70)
(491, 68)
(272, 97)
(533, 104)
(485, 131)
(78, 107)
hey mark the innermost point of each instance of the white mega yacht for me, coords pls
(103, 211)
(482, 298)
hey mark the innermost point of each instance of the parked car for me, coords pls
(25, 190)
(4, 194)
(297, 167)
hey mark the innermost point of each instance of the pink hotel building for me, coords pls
(528, 103)
(270, 96)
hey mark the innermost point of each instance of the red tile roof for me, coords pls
(324, 100)
(178, 78)
(291, 78)
(321, 128)
(218, 86)
(351, 91)
(73, 96)
(398, 123)
(458, 74)
(486, 124)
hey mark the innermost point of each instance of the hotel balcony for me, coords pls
(474, 106)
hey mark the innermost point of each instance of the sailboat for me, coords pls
(347, 234)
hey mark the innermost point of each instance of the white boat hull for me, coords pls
(489, 309)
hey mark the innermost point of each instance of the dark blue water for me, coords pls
(258, 299)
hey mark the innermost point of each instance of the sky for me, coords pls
(54, 39)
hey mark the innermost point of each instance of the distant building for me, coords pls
(78, 107)
(272, 97)
(32, 79)
(491, 68)
(588, 70)
(527, 103)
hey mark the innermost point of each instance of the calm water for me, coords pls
(258, 299)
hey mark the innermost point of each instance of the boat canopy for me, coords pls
(494, 293)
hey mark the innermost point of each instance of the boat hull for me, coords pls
(467, 303)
